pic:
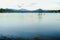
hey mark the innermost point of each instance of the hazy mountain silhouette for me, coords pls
(32, 11)
(38, 10)
(23, 10)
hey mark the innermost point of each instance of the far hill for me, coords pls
(28, 11)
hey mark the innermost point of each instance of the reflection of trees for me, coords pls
(40, 16)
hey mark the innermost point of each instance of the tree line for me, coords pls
(38, 11)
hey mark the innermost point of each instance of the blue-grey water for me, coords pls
(30, 24)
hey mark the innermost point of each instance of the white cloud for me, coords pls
(29, 4)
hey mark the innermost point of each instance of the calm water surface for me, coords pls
(25, 24)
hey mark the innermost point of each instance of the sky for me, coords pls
(30, 4)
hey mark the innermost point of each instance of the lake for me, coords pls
(30, 24)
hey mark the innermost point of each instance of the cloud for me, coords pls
(29, 4)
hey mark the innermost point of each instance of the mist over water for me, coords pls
(25, 24)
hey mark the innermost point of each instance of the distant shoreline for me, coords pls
(28, 11)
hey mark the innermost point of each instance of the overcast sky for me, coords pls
(30, 4)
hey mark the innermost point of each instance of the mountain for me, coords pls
(23, 10)
(38, 10)
(30, 11)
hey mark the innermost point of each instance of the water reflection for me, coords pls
(26, 23)
(39, 16)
